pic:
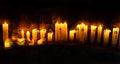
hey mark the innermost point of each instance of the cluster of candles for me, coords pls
(61, 34)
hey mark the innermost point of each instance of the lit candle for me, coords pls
(81, 33)
(5, 31)
(77, 32)
(61, 32)
(64, 35)
(50, 36)
(85, 32)
(34, 35)
(99, 33)
(22, 33)
(71, 34)
(42, 33)
(115, 34)
(92, 33)
(106, 35)
(57, 31)
(28, 35)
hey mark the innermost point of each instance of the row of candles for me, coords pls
(61, 34)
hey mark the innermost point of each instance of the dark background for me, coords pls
(72, 10)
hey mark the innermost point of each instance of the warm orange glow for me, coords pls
(61, 32)
(28, 35)
(50, 36)
(115, 35)
(71, 34)
(81, 32)
(21, 41)
(92, 33)
(40, 41)
(106, 36)
(8, 43)
(34, 34)
(22, 33)
(5, 31)
(99, 33)
(42, 33)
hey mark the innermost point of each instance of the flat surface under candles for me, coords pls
(60, 54)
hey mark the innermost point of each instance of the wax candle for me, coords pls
(99, 33)
(42, 33)
(50, 36)
(115, 34)
(28, 35)
(57, 31)
(22, 33)
(92, 33)
(61, 32)
(71, 34)
(34, 35)
(106, 35)
(85, 32)
(81, 32)
(77, 32)
(5, 31)
(64, 35)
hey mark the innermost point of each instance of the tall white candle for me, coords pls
(22, 33)
(28, 35)
(5, 31)
(92, 33)
(115, 34)
(99, 33)
(71, 34)
(57, 32)
(64, 31)
(106, 35)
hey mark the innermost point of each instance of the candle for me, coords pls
(99, 33)
(106, 35)
(34, 35)
(50, 36)
(64, 30)
(115, 34)
(77, 32)
(85, 32)
(71, 34)
(5, 31)
(57, 31)
(92, 33)
(81, 33)
(28, 35)
(42, 33)
(22, 33)
(61, 32)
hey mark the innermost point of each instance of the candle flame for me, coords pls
(5, 22)
(107, 30)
